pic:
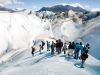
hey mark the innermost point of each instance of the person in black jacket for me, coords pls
(43, 43)
(52, 47)
(33, 50)
(83, 57)
(60, 45)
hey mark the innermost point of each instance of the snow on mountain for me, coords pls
(5, 9)
(18, 29)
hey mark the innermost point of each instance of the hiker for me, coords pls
(73, 45)
(33, 50)
(83, 57)
(60, 45)
(56, 45)
(43, 43)
(40, 48)
(52, 47)
(77, 49)
(48, 46)
(34, 42)
(65, 48)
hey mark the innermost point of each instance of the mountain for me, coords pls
(5, 9)
(61, 8)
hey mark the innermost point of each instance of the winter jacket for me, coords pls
(77, 47)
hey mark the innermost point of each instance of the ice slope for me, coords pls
(17, 30)
(46, 64)
(91, 34)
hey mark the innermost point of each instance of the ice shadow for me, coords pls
(45, 56)
(77, 64)
(68, 58)
(94, 69)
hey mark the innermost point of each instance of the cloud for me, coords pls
(95, 9)
(7, 2)
(35, 8)
(77, 5)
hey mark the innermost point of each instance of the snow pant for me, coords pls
(48, 48)
(82, 64)
(59, 50)
(42, 47)
(33, 52)
(52, 51)
(64, 51)
(76, 54)
(40, 50)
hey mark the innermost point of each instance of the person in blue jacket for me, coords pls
(77, 49)
(48, 46)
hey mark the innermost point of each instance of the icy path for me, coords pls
(45, 64)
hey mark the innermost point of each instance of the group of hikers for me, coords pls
(77, 50)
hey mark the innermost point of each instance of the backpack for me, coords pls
(84, 56)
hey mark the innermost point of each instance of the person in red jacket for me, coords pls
(83, 57)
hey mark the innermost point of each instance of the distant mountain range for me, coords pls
(5, 9)
(62, 8)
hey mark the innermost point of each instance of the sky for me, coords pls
(37, 4)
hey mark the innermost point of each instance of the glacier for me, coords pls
(19, 29)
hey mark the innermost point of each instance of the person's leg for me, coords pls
(59, 50)
(77, 54)
(47, 48)
(32, 52)
(53, 51)
(82, 64)
(64, 51)
(40, 51)
(56, 49)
